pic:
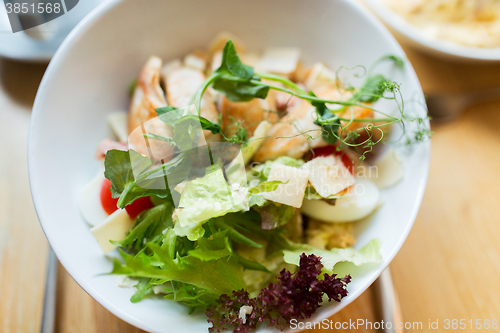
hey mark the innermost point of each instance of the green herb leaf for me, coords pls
(169, 114)
(121, 166)
(159, 181)
(398, 61)
(237, 91)
(209, 125)
(328, 121)
(233, 78)
(231, 63)
(330, 131)
(372, 89)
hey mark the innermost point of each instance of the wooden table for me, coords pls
(449, 267)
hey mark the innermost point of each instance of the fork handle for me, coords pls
(49, 300)
(388, 303)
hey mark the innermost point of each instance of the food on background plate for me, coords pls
(473, 23)
(236, 189)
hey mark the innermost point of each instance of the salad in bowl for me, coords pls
(233, 183)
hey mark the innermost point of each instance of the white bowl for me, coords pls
(88, 77)
(409, 34)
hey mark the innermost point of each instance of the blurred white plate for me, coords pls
(20, 46)
(87, 80)
(407, 33)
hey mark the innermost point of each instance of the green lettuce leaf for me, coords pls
(243, 226)
(259, 173)
(274, 215)
(205, 198)
(215, 277)
(151, 225)
(370, 253)
(143, 288)
(264, 187)
(190, 295)
(216, 247)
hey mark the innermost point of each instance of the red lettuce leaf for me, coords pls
(296, 295)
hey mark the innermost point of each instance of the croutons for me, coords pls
(326, 236)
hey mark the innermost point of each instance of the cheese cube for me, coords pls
(170, 66)
(195, 61)
(114, 228)
(319, 75)
(328, 175)
(279, 60)
(292, 193)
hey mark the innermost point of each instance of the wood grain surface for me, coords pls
(449, 267)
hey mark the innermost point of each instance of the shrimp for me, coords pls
(247, 114)
(293, 136)
(142, 119)
(181, 84)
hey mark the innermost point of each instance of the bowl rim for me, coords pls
(52, 70)
(442, 47)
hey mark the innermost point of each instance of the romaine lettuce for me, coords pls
(368, 254)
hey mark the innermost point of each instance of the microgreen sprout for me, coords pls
(238, 82)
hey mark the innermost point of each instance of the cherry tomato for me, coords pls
(108, 203)
(325, 151)
(329, 150)
(138, 206)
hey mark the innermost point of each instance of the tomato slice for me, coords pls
(138, 206)
(329, 150)
(107, 201)
(325, 151)
(109, 204)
